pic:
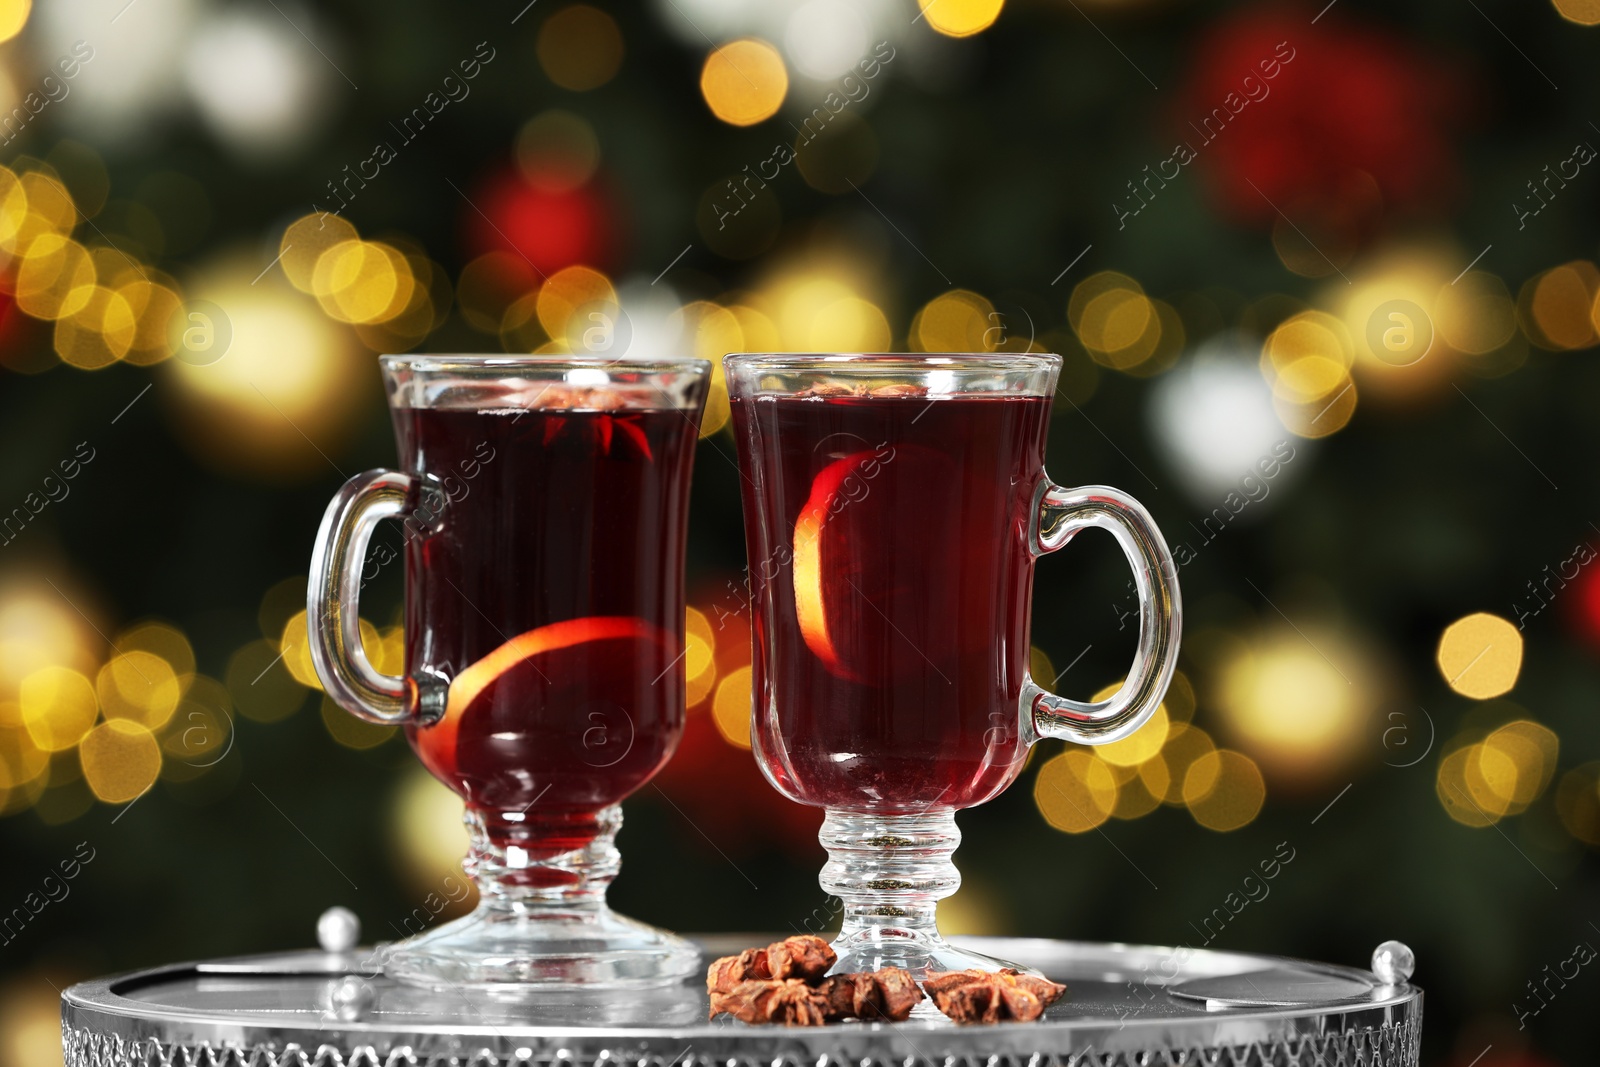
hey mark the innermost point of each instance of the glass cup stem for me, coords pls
(511, 876)
(890, 872)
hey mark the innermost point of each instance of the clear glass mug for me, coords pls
(543, 505)
(894, 507)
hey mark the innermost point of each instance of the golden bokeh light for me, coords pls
(58, 706)
(1512, 767)
(363, 282)
(266, 381)
(201, 732)
(557, 151)
(759, 331)
(295, 645)
(700, 643)
(731, 707)
(1309, 333)
(121, 759)
(1480, 655)
(39, 630)
(13, 16)
(710, 332)
(56, 277)
(744, 81)
(1138, 794)
(139, 686)
(1185, 744)
(304, 242)
(1556, 306)
(153, 304)
(427, 831)
(1297, 704)
(1307, 361)
(1475, 315)
(848, 325)
(160, 639)
(1075, 792)
(957, 321)
(1582, 12)
(30, 1018)
(580, 48)
(1224, 790)
(961, 18)
(99, 332)
(570, 299)
(1455, 791)
(1578, 802)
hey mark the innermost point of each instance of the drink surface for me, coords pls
(550, 595)
(892, 577)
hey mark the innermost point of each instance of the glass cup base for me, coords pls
(541, 924)
(917, 951)
(506, 950)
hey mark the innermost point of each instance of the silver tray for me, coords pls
(1126, 1006)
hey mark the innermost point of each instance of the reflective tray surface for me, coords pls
(1126, 1005)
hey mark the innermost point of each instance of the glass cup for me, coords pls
(894, 506)
(543, 505)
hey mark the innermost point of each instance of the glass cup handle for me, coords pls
(333, 599)
(1059, 513)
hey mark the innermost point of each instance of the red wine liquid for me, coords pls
(892, 577)
(551, 595)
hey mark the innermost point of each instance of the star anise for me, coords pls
(804, 957)
(991, 996)
(785, 983)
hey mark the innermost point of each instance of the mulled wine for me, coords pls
(559, 626)
(889, 552)
(894, 505)
(543, 505)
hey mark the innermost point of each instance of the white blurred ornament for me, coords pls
(826, 38)
(1213, 420)
(258, 84)
(133, 73)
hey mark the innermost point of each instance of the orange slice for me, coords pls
(437, 744)
(857, 578)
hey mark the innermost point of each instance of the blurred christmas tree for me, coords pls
(1315, 273)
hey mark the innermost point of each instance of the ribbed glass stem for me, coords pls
(523, 862)
(890, 871)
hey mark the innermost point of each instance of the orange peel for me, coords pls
(440, 738)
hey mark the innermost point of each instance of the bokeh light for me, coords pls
(140, 686)
(957, 321)
(961, 18)
(1298, 703)
(1075, 792)
(1480, 655)
(13, 16)
(1556, 307)
(59, 707)
(744, 82)
(1583, 12)
(121, 759)
(731, 707)
(1224, 790)
(580, 47)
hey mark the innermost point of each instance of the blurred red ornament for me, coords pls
(1309, 116)
(550, 229)
(1584, 597)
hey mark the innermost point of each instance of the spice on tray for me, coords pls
(989, 997)
(785, 983)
